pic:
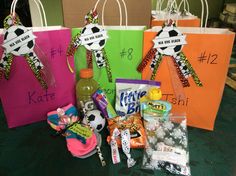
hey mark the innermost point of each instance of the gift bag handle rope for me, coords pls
(120, 11)
(202, 13)
(172, 4)
(38, 4)
(184, 2)
(118, 3)
(159, 5)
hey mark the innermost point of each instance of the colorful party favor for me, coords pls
(81, 141)
(103, 104)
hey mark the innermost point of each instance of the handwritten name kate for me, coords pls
(35, 97)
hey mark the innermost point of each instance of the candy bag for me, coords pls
(135, 126)
(128, 93)
(167, 144)
(155, 108)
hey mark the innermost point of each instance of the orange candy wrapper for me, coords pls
(134, 124)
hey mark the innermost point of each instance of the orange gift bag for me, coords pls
(172, 10)
(196, 57)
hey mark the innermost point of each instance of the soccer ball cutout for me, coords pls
(92, 29)
(100, 59)
(97, 121)
(14, 32)
(168, 32)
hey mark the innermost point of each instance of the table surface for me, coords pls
(32, 150)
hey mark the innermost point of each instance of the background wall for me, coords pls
(215, 7)
(54, 11)
(55, 14)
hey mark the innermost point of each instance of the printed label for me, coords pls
(130, 100)
(88, 105)
(81, 130)
(170, 154)
(170, 41)
(17, 41)
(94, 37)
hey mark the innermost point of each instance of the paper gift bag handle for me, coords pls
(172, 4)
(185, 3)
(120, 10)
(207, 13)
(202, 13)
(159, 5)
(38, 4)
(95, 7)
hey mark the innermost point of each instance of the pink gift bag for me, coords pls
(23, 99)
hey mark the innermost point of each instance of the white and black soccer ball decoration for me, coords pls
(14, 33)
(19, 41)
(168, 35)
(96, 119)
(100, 60)
(169, 42)
(95, 35)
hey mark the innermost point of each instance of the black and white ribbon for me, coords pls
(125, 141)
(114, 147)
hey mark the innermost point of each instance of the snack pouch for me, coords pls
(128, 94)
(134, 124)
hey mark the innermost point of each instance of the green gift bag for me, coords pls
(124, 53)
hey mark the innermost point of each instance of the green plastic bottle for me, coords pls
(85, 88)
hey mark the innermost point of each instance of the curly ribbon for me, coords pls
(114, 147)
(125, 141)
(103, 162)
(74, 44)
(32, 59)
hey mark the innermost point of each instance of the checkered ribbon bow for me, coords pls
(156, 53)
(99, 53)
(14, 29)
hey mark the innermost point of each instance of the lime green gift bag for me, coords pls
(124, 52)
